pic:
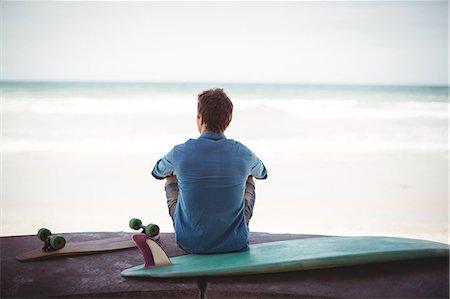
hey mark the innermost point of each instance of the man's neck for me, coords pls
(202, 129)
(206, 130)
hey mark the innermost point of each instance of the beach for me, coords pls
(342, 160)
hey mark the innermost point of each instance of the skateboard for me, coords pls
(51, 242)
(56, 245)
(283, 256)
(150, 230)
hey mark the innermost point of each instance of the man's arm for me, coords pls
(258, 169)
(164, 167)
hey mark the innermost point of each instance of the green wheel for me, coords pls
(152, 230)
(43, 234)
(57, 242)
(135, 223)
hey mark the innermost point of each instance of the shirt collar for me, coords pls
(212, 135)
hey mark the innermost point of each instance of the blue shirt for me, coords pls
(212, 172)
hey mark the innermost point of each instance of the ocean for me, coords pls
(347, 160)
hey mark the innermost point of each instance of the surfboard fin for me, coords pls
(154, 255)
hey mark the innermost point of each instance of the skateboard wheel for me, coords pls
(57, 242)
(135, 223)
(152, 230)
(43, 234)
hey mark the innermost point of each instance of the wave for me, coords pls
(350, 108)
(268, 147)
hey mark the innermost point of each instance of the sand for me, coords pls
(392, 194)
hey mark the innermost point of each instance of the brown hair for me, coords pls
(216, 109)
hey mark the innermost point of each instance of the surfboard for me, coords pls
(283, 256)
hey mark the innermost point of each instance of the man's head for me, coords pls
(214, 110)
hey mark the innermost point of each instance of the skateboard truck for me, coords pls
(51, 242)
(151, 230)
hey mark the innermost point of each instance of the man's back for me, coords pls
(212, 173)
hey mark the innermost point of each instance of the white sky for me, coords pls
(305, 42)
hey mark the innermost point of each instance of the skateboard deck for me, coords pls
(80, 248)
(283, 256)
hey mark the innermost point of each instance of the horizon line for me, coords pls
(226, 83)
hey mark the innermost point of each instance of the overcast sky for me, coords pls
(304, 42)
